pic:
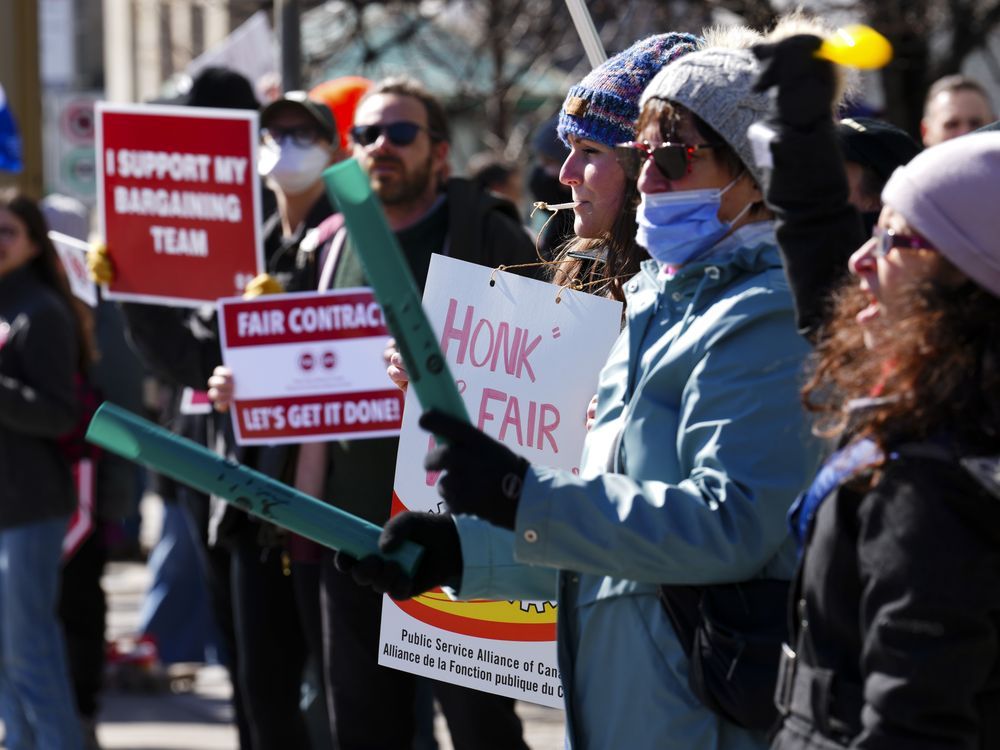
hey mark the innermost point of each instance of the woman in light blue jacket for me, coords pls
(698, 448)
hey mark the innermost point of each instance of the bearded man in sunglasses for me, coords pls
(401, 138)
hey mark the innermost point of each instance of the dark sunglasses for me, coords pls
(672, 159)
(301, 135)
(886, 239)
(401, 133)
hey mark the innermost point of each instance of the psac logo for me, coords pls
(498, 620)
(327, 360)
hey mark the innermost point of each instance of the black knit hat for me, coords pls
(221, 87)
(875, 144)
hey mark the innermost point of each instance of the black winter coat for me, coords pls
(816, 227)
(38, 402)
(897, 613)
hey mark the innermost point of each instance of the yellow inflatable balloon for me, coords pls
(856, 46)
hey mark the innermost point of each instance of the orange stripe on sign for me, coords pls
(435, 608)
(463, 625)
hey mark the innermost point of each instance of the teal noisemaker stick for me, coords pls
(396, 291)
(139, 440)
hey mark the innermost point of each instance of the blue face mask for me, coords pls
(679, 226)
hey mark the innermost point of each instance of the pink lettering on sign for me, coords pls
(487, 345)
(531, 428)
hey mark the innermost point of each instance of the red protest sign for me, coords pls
(179, 201)
(308, 366)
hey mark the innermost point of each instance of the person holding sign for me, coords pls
(698, 448)
(599, 113)
(44, 346)
(299, 139)
(401, 138)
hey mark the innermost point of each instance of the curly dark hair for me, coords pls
(936, 370)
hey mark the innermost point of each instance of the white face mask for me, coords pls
(292, 168)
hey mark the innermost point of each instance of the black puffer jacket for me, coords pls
(38, 403)
(897, 612)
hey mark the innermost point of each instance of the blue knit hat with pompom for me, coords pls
(604, 106)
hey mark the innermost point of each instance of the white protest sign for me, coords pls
(195, 402)
(73, 254)
(527, 368)
(308, 367)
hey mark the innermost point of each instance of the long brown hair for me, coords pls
(936, 370)
(622, 259)
(49, 268)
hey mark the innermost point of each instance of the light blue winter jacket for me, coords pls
(699, 447)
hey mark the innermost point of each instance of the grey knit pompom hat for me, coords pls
(717, 85)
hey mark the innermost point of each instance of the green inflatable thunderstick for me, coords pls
(139, 440)
(395, 289)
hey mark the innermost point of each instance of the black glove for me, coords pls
(441, 563)
(482, 477)
(806, 84)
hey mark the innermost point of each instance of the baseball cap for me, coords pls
(317, 111)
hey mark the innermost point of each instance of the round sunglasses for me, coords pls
(672, 159)
(401, 133)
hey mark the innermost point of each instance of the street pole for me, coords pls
(290, 37)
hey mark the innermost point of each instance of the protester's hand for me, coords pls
(441, 563)
(220, 388)
(262, 283)
(591, 412)
(99, 265)
(806, 84)
(482, 477)
(394, 365)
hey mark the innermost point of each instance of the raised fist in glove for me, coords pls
(440, 565)
(481, 476)
(806, 84)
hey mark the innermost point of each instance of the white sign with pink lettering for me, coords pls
(526, 360)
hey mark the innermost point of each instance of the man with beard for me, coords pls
(400, 137)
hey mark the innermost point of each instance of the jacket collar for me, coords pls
(750, 249)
